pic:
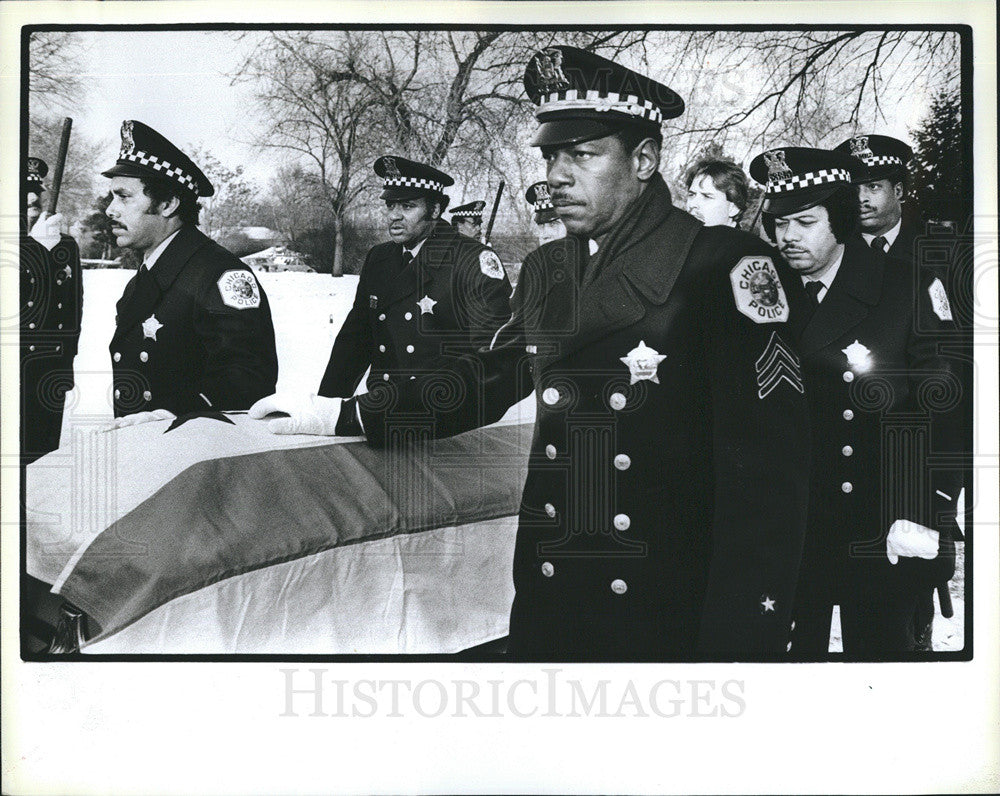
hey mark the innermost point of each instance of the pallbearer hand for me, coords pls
(307, 414)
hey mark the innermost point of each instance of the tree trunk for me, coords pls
(338, 246)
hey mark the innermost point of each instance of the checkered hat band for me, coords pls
(882, 160)
(808, 180)
(543, 204)
(467, 213)
(32, 177)
(574, 100)
(158, 164)
(413, 182)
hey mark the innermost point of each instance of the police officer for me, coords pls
(883, 193)
(51, 308)
(468, 219)
(718, 192)
(664, 508)
(550, 226)
(193, 331)
(881, 522)
(425, 299)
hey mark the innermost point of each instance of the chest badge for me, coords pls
(426, 305)
(859, 356)
(150, 327)
(373, 302)
(68, 272)
(642, 363)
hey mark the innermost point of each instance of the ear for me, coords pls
(734, 211)
(646, 159)
(897, 189)
(435, 210)
(168, 208)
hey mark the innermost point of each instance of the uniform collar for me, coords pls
(154, 255)
(890, 236)
(827, 279)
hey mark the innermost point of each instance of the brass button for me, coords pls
(410, 349)
(848, 414)
(622, 522)
(847, 450)
(617, 401)
(147, 395)
(59, 305)
(143, 356)
(622, 462)
(31, 348)
(118, 394)
(60, 326)
(618, 586)
(31, 304)
(31, 326)
(548, 570)
(385, 377)
(381, 317)
(408, 316)
(848, 376)
(381, 348)
(117, 357)
(550, 451)
(550, 396)
(550, 509)
(847, 487)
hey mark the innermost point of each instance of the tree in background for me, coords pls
(937, 166)
(234, 203)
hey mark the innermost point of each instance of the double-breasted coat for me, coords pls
(665, 502)
(194, 333)
(412, 320)
(884, 403)
(51, 296)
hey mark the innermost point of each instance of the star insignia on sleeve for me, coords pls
(426, 305)
(643, 362)
(150, 327)
(767, 604)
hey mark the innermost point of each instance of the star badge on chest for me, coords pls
(426, 305)
(643, 362)
(150, 327)
(858, 355)
(68, 271)
(766, 604)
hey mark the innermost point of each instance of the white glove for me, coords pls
(307, 414)
(910, 540)
(139, 417)
(46, 230)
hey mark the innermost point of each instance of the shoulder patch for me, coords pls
(490, 264)
(238, 289)
(939, 300)
(758, 291)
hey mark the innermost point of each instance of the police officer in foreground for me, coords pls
(467, 219)
(550, 226)
(51, 308)
(664, 508)
(883, 193)
(193, 331)
(881, 521)
(425, 299)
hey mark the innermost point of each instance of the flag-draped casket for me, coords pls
(215, 536)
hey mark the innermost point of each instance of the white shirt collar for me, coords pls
(827, 279)
(154, 255)
(890, 236)
(416, 249)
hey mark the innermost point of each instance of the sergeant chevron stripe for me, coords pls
(775, 365)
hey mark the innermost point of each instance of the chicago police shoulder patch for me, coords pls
(490, 264)
(239, 290)
(758, 290)
(939, 300)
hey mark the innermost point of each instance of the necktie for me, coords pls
(406, 259)
(880, 244)
(812, 289)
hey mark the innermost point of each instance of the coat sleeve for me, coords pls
(481, 292)
(761, 456)
(241, 363)
(77, 272)
(467, 390)
(351, 354)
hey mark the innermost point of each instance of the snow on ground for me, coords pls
(308, 310)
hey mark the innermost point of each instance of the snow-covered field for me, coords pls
(307, 310)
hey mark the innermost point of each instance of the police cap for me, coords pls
(582, 96)
(472, 211)
(406, 179)
(885, 157)
(34, 171)
(797, 178)
(146, 153)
